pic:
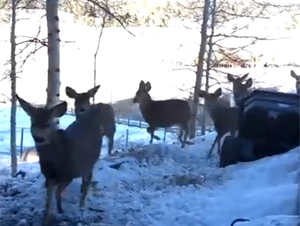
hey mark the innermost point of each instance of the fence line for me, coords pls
(124, 138)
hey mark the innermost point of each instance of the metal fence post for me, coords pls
(126, 137)
(21, 144)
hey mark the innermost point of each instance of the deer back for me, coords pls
(82, 103)
(165, 113)
(161, 113)
(225, 118)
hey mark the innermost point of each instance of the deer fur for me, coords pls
(297, 78)
(82, 103)
(163, 113)
(240, 89)
(225, 118)
(64, 154)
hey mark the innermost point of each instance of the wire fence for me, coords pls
(129, 134)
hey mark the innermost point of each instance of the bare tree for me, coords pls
(104, 16)
(13, 149)
(208, 59)
(200, 67)
(53, 89)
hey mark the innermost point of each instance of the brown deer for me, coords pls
(82, 103)
(240, 89)
(297, 78)
(64, 154)
(225, 118)
(163, 113)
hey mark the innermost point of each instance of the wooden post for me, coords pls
(21, 144)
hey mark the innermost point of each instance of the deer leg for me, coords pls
(184, 128)
(60, 188)
(213, 145)
(49, 184)
(150, 130)
(219, 146)
(180, 136)
(86, 182)
(110, 144)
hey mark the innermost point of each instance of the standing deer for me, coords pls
(163, 113)
(82, 103)
(64, 154)
(225, 118)
(240, 89)
(297, 78)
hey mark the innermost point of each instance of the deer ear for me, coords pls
(202, 93)
(294, 75)
(249, 83)
(230, 77)
(148, 86)
(71, 93)
(27, 107)
(218, 92)
(93, 91)
(244, 77)
(59, 110)
(142, 85)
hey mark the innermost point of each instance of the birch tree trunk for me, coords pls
(208, 59)
(13, 149)
(53, 88)
(199, 72)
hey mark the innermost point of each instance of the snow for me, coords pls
(164, 185)
(157, 185)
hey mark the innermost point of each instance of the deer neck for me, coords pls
(145, 103)
(213, 109)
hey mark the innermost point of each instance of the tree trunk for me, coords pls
(208, 59)
(199, 72)
(53, 89)
(13, 149)
(97, 50)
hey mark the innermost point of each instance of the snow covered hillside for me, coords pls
(152, 54)
(163, 185)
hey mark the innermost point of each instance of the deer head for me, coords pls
(240, 89)
(297, 78)
(82, 100)
(42, 123)
(211, 99)
(142, 94)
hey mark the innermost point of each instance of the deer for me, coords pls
(163, 113)
(297, 78)
(82, 103)
(64, 154)
(225, 118)
(240, 89)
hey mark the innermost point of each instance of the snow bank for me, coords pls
(164, 185)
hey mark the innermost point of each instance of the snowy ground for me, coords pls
(163, 185)
(159, 185)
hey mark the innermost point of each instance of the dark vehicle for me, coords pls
(268, 125)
